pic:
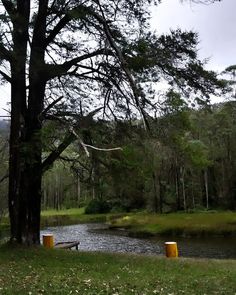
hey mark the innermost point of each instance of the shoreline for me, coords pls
(146, 225)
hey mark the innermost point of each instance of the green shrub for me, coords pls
(97, 206)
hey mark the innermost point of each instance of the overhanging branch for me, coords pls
(5, 53)
(51, 105)
(5, 76)
(136, 91)
(52, 71)
(70, 137)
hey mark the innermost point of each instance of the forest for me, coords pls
(185, 162)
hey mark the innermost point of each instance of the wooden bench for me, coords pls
(67, 245)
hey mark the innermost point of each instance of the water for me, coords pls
(97, 237)
(94, 237)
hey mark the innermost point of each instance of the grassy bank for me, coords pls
(40, 271)
(144, 224)
(61, 217)
(176, 224)
(69, 216)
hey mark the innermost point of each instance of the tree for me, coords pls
(3, 169)
(61, 55)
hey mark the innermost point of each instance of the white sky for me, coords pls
(215, 23)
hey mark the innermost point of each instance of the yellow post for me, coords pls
(171, 249)
(48, 241)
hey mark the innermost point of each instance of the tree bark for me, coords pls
(183, 188)
(206, 188)
(78, 189)
(16, 201)
(155, 192)
(161, 193)
(25, 171)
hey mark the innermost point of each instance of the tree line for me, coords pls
(187, 162)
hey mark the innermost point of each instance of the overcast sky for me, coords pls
(215, 23)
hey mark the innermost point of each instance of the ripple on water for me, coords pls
(96, 237)
(93, 237)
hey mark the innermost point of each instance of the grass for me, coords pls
(71, 212)
(4, 225)
(187, 224)
(69, 216)
(41, 271)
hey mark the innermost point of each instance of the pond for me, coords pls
(97, 237)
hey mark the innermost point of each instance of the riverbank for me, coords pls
(62, 217)
(178, 224)
(70, 216)
(142, 224)
(40, 271)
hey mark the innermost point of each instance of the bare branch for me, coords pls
(80, 141)
(5, 76)
(103, 149)
(4, 177)
(51, 105)
(85, 146)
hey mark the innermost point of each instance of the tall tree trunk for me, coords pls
(161, 193)
(16, 201)
(192, 192)
(155, 192)
(15, 159)
(25, 182)
(183, 188)
(206, 188)
(32, 174)
(78, 189)
(177, 186)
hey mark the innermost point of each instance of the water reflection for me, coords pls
(93, 237)
(96, 237)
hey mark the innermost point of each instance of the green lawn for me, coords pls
(41, 271)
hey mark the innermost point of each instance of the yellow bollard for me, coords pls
(48, 241)
(171, 249)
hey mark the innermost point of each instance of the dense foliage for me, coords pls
(187, 163)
